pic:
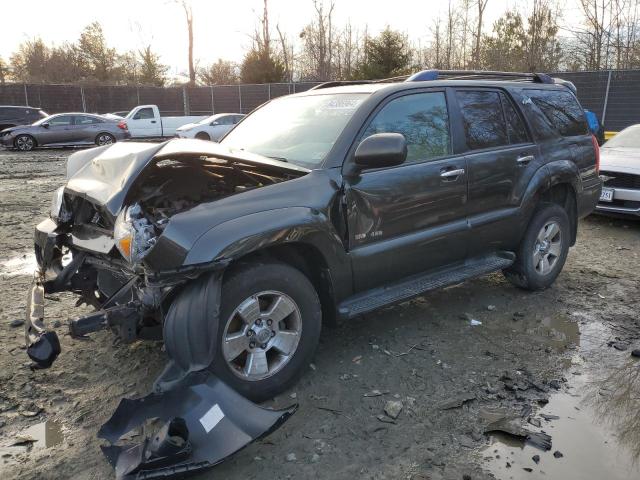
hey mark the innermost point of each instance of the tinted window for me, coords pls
(236, 118)
(143, 114)
(483, 120)
(515, 126)
(561, 111)
(62, 120)
(83, 120)
(4, 113)
(422, 118)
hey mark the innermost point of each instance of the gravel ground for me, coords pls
(449, 375)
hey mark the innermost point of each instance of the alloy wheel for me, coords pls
(24, 143)
(261, 335)
(105, 139)
(547, 248)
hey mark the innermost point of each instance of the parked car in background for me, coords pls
(65, 129)
(145, 121)
(620, 172)
(11, 116)
(211, 128)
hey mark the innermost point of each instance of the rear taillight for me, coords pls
(596, 148)
(123, 125)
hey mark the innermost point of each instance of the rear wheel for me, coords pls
(203, 136)
(24, 143)
(269, 328)
(543, 250)
(105, 139)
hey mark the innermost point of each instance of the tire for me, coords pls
(104, 138)
(24, 143)
(543, 249)
(239, 289)
(203, 136)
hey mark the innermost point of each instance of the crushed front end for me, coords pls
(117, 237)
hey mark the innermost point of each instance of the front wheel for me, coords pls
(543, 250)
(270, 320)
(24, 143)
(203, 136)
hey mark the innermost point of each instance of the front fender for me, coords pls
(249, 233)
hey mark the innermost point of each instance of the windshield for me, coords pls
(627, 138)
(300, 130)
(208, 119)
(42, 120)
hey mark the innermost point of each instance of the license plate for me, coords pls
(606, 195)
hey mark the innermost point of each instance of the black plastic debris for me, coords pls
(204, 423)
(512, 426)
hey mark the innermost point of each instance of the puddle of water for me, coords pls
(37, 437)
(598, 432)
(24, 264)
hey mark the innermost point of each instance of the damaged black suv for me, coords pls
(318, 206)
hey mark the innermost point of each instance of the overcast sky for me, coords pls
(222, 27)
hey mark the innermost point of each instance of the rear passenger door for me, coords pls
(408, 218)
(85, 129)
(501, 158)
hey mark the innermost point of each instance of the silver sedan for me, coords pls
(65, 129)
(620, 172)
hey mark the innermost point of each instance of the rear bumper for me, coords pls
(626, 201)
(588, 199)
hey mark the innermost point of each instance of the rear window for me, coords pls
(560, 110)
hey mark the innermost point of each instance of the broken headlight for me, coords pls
(133, 233)
(58, 211)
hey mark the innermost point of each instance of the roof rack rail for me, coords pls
(338, 83)
(427, 75)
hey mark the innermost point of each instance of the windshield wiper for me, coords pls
(281, 159)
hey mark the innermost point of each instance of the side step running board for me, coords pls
(418, 284)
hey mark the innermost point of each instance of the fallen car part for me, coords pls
(205, 423)
(512, 426)
(43, 346)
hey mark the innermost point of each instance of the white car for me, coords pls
(145, 121)
(211, 128)
(620, 172)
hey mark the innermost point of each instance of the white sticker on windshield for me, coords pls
(210, 419)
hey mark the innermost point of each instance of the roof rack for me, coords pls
(426, 75)
(339, 83)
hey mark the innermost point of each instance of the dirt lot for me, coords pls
(563, 352)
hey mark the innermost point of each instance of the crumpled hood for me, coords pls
(623, 160)
(104, 175)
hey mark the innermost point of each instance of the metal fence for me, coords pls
(613, 95)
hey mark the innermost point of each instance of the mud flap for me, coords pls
(205, 423)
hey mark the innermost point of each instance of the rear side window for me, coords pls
(482, 118)
(422, 118)
(4, 113)
(515, 125)
(560, 110)
(83, 120)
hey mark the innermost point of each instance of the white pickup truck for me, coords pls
(144, 121)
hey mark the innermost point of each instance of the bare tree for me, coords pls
(318, 44)
(188, 12)
(482, 4)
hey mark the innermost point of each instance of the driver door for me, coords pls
(409, 218)
(58, 131)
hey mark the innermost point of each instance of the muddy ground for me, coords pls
(568, 346)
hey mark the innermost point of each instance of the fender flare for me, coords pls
(548, 175)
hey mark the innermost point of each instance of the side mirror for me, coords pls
(213, 124)
(381, 150)
(45, 125)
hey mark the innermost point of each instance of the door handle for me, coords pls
(153, 121)
(452, 173)
(525, 160)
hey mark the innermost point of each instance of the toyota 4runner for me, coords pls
(318, 206)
